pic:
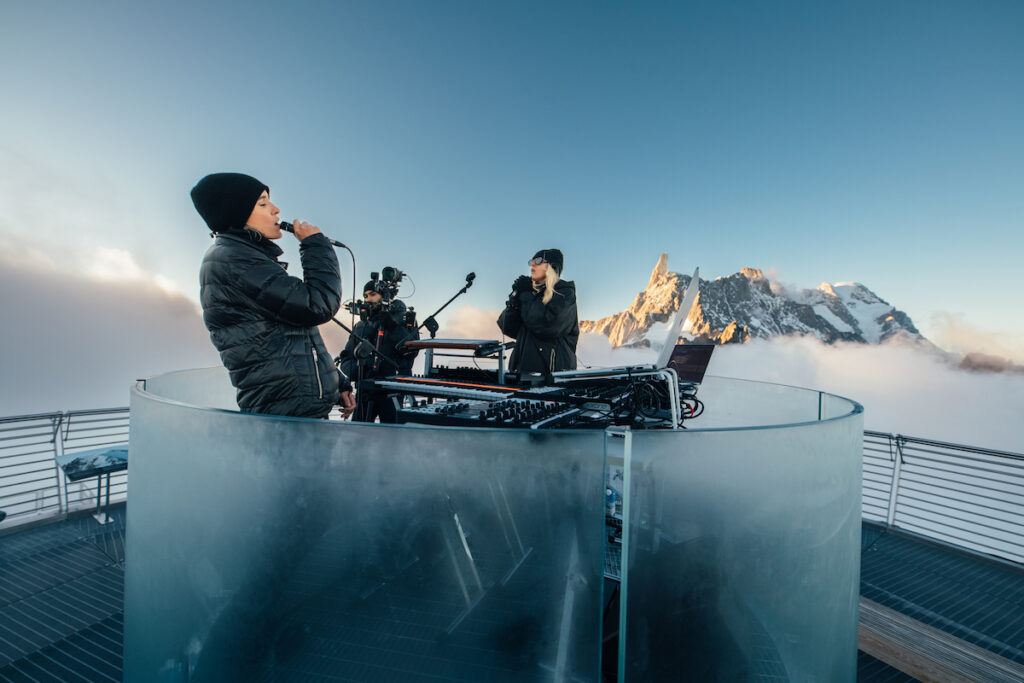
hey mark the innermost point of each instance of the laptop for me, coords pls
(690, 361)
(689, 298)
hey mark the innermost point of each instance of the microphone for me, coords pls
(469, 279)
(288, 227)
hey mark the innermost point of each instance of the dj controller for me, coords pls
(511, 412)
(656, 396)
(638, 399)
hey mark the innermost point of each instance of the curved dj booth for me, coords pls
(270, 548)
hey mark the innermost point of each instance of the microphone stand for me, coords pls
(431, 323)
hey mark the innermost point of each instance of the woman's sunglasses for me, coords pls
(536, 261)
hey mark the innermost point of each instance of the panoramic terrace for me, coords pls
(940, 577)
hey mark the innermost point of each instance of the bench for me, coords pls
(925, 652)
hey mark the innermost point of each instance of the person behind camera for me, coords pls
(261, 319)
(384, 326)
(541, 315)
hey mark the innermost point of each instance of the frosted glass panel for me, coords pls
(205, 388)
(736, 403)
(834, 406)
(281, 549)
(266, 548)
(743, 553)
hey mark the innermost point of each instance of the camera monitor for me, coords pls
(690, 361)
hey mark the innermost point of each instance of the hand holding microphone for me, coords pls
(302, 230)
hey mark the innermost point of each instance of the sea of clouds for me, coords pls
(78, 338)
(903, 389)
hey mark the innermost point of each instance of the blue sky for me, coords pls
(873, 141)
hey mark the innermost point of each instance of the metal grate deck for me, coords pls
(61, 601)
(978, 600)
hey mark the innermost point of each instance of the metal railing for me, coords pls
(966, 496)
(32, 486)
(970, 497)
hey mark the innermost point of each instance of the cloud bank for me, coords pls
(79, 339)
(952, 331)
(74, 341)
(903, 390)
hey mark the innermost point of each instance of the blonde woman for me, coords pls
(541, 315)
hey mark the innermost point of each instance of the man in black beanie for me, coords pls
(262, 320)
(384, 324)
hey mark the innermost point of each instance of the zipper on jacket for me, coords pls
(552, 359)
(316, 372)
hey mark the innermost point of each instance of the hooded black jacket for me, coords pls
(546, 334)
(263, 322)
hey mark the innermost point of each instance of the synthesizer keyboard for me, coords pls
(509, 413)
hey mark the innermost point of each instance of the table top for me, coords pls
(93, 462)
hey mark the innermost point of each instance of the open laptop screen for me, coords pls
(690, 361)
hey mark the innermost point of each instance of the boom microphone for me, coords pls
(288, 227)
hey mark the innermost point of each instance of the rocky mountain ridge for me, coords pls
(746, 305)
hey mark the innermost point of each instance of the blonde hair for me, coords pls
(550, 279)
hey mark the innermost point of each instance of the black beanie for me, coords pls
(553, 257)
(370, 286)
(226, 200)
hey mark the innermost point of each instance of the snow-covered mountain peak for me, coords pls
(660, 270)
(745, 305)
(827, 288)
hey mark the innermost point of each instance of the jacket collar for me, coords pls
(246, 237)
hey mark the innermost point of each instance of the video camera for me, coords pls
(385, 283)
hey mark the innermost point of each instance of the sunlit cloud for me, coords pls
(78, 341)
(56, 221)
(105, 263)
(471, 322)
(953, 331)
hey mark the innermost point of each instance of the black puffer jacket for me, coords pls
(546, 334)
(263, 322)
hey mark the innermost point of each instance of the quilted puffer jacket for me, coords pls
(263, 322)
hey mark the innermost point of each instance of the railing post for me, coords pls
(57, 451)
(894, 487)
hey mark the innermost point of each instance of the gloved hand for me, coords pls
(522, 284)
